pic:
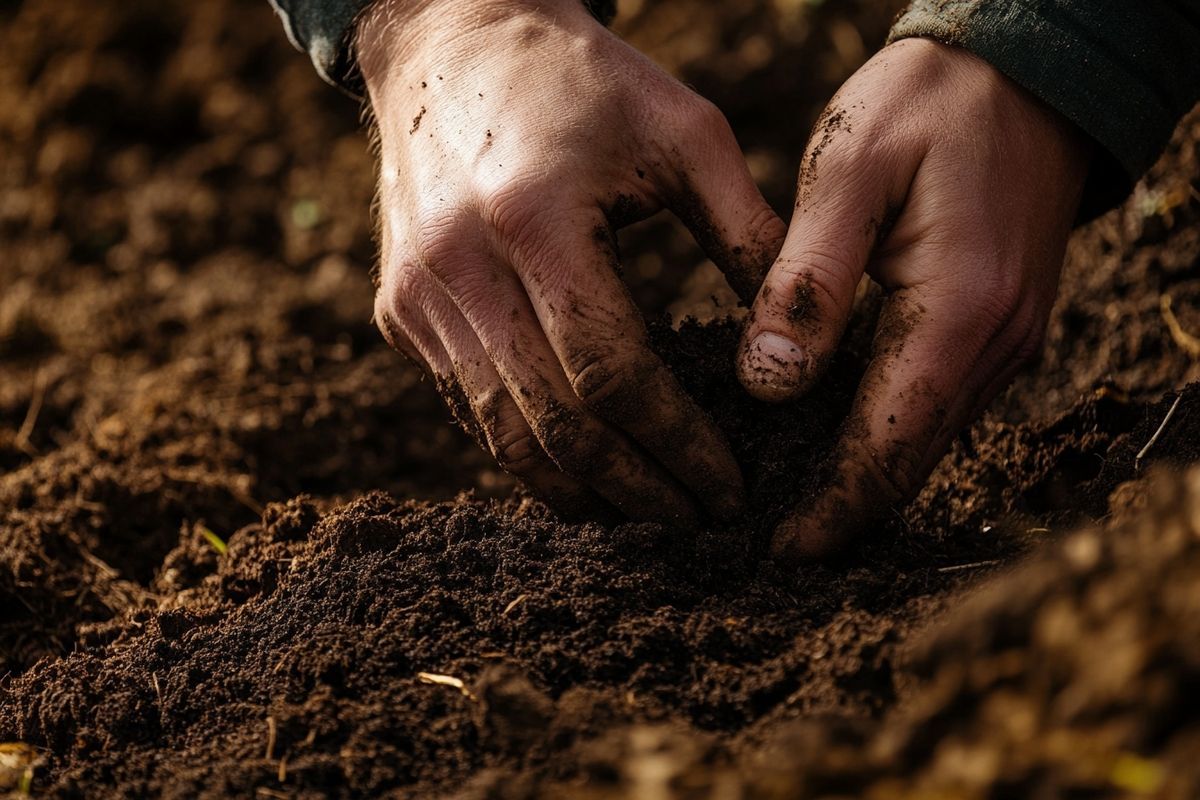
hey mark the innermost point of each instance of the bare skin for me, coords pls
(503, 176)
(956, 190)
(501, 182)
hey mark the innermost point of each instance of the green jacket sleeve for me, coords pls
(323, 29)
(1124, 71)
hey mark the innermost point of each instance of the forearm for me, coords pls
(1123, 72)
(324, 29)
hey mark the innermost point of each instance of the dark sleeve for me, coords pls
(1124, 71)
(323, 29)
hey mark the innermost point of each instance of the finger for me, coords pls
(848, 186)
(935, 362)
(711, 191)
(406, 331)
(493, 302)
(418, 319)
(599, 337)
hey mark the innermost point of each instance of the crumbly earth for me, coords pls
(187, 365)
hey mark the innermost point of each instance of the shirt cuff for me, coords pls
(1067, 59)
(325, 30)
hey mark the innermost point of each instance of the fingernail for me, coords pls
(773, 366)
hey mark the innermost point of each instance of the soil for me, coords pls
(244, 552)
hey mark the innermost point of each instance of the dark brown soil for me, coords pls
(185, 351)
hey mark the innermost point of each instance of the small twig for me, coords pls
(100, 564)
(272, 731)
(447, 680)
(520, 599)
(1137, 461)
(1189, 343)
(31, 415)
(973, 565)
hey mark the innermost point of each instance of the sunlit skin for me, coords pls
(516, 135)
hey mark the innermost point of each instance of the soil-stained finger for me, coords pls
(580, 443)
(473, 391)
(570, 270)
(930, 367)
(848, 196)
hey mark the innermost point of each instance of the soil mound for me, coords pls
(404, 646)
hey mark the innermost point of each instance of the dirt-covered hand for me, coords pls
(956, 190)
(515, 137)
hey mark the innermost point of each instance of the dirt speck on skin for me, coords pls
(624, 210)
(803, 310)
(744, 264)
(416, 123)
(455, 397)
(833, 122)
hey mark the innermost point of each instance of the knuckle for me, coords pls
(826, 270)
(573, 442)
(1032, 339)
(403, 290)
(390, 313)
(994, 305)
(708, 117)
(1007, 302)
(516, 449)
(768, 229)
(516, 211)
(509, 436)
(703, 122)
(439, 235)
(601, 379)
(400, 312)
(998, 311)
(386, 320)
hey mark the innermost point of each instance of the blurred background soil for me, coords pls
(186, 348)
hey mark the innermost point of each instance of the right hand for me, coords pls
(515, 137)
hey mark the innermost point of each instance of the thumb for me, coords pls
(849, 193)
(716, 198)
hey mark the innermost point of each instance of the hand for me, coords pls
(954, 189)
(515, 136)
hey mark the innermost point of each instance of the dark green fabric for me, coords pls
(323, 29)
(1124, 71)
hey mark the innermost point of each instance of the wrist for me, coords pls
(393, 33)
(1008, 101)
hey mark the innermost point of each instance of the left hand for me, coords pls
(956, 190)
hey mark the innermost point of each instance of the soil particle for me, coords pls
(416, 123)
(624, 210)
(453, 394)
(803, 311)
(832, 122)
